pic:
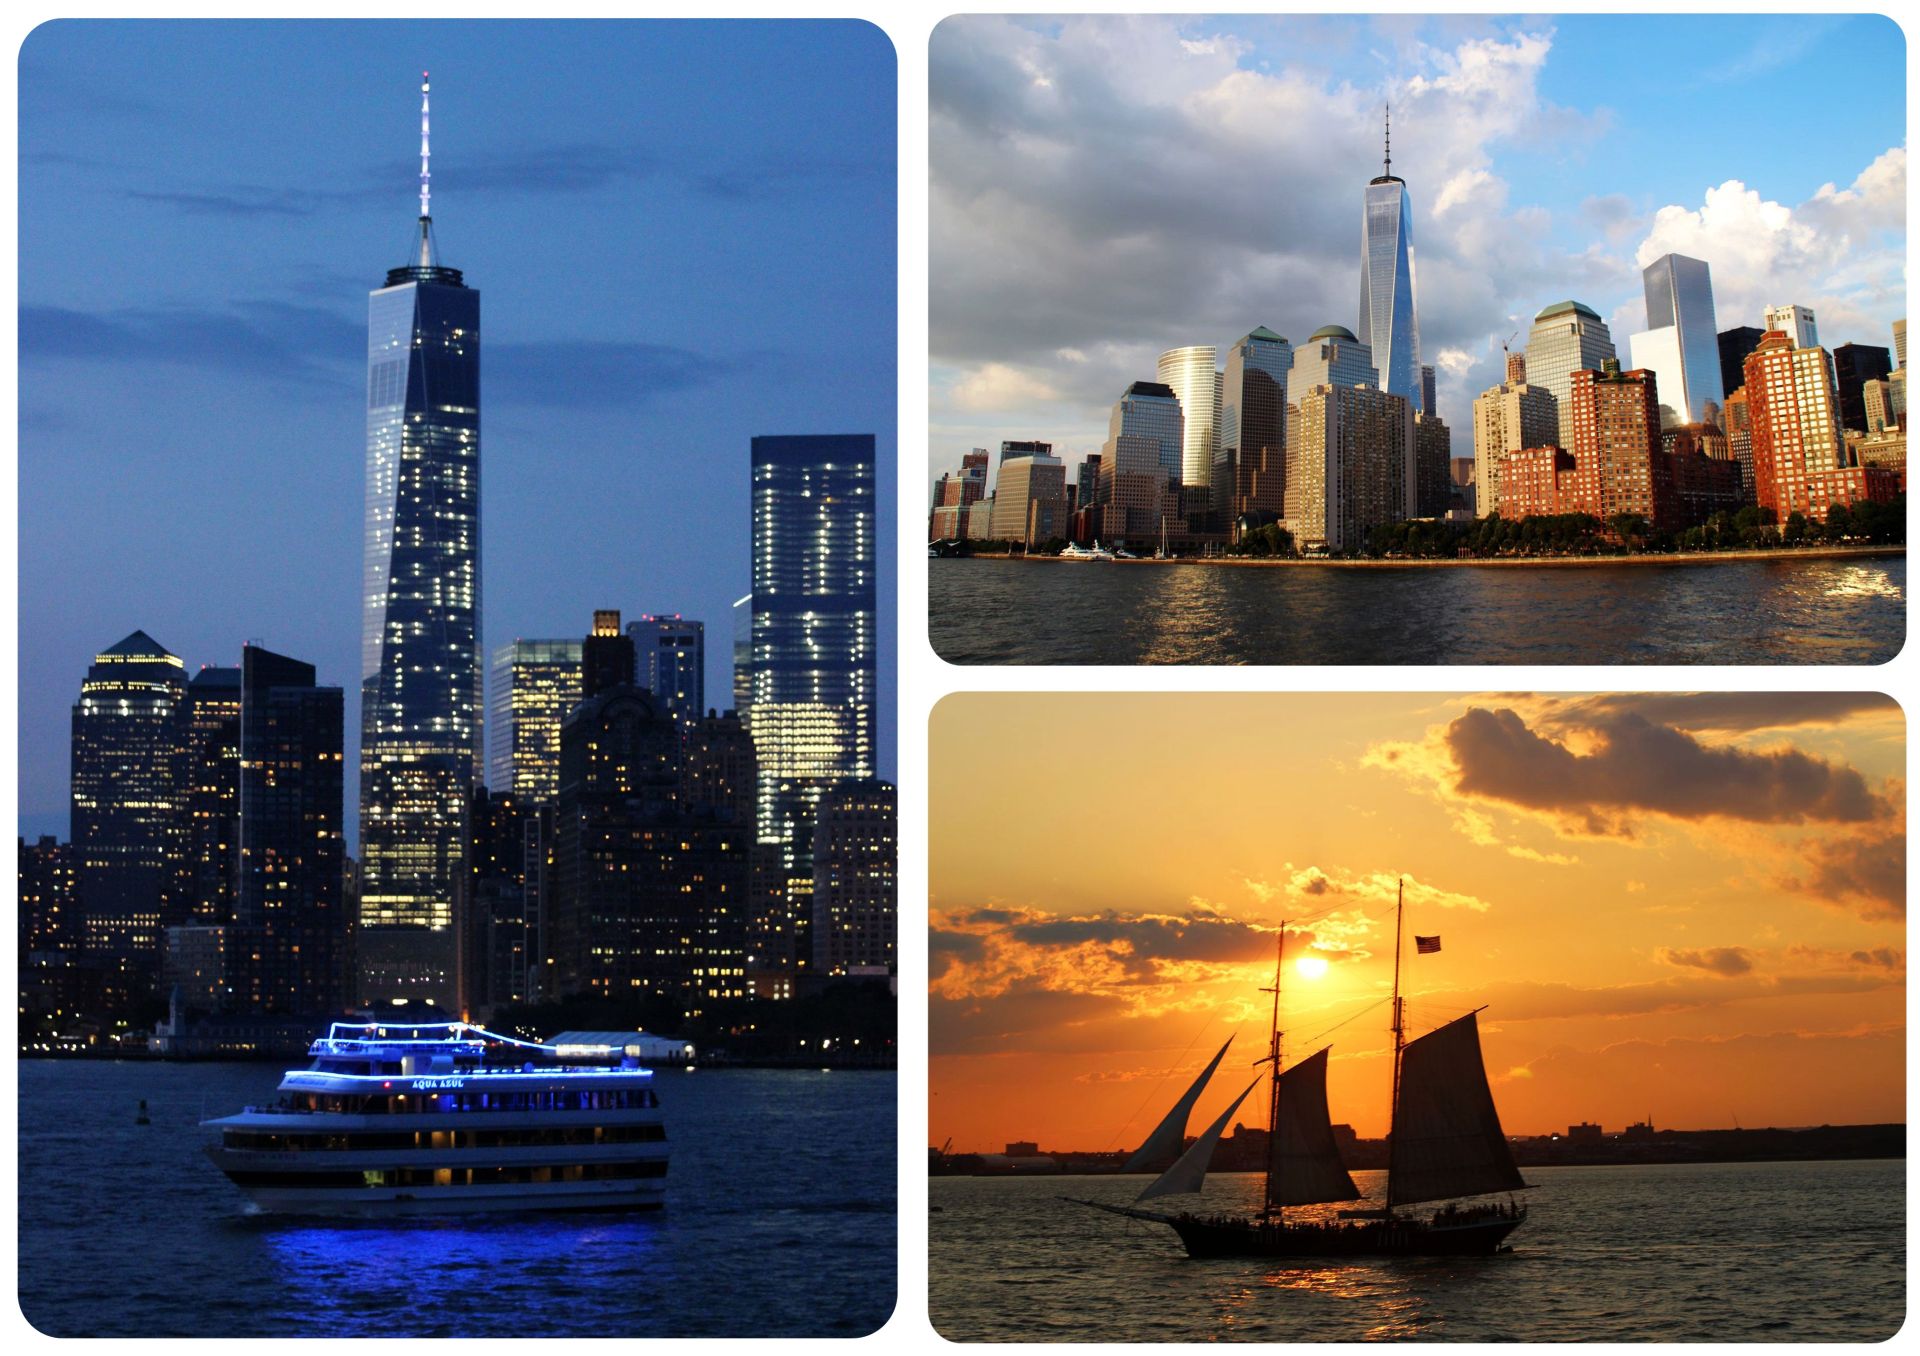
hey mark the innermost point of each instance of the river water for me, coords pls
(780, 1221)
(1827, 611)
(1758, 1252)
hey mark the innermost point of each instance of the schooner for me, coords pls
(1445, 1144)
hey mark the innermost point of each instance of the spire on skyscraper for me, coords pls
(426, 180)
(1388, 170)
(426, 177)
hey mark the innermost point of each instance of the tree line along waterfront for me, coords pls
(1870, 525)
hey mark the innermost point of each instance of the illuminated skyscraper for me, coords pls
(213, 793)
(288, 914)
(671, 655)
(814, 713)
(129, 799)
(855, 898)
(1389, 322)
(534, 684)
(420, 637)
(1189, 372)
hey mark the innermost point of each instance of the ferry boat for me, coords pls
(441, 1117)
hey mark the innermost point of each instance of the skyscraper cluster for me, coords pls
(1705, 420)
(1337, 436)
(601, 832)
(1205, 452)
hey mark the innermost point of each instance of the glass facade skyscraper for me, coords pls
(670, 654)
(129, 798)
(288, 915)
(534, 684)
(1151, 409)
(1250, 465)
(420, 657)
(1687, 361)
(1191, 375)
(814, 664)
(1389, 322)
(1567, 337)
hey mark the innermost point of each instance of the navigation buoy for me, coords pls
(141, 1118)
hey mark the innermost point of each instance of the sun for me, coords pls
(1311, 967)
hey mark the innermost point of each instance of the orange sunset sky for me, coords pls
(1685, 907)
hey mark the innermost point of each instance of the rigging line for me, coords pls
(1371, 1005)
(1152, 1091)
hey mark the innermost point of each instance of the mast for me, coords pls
(1399, 1045)
(1267, 1207)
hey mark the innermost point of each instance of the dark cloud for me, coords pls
(1155, 937)
(948, 949)
(1731, 712)
(609, 372)
(976, 1026)
(1866, 871)
(1643, 766)
(1727, 961)
(539, 171)
(262, 339)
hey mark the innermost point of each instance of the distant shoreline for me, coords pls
(1507, 562)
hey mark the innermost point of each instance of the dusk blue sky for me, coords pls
(1107, 187)
(683, 235)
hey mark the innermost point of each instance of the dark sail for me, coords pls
(1306, 1165)
(1447, 1139)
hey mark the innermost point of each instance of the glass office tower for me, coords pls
(420, 657)
(535, 684)
(129, 796)
(1680, 297)
(1191, 374)
(1389, 324)
(814, 717)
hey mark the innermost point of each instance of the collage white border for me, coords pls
(923, 677)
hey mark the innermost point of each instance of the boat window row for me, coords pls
(428, 1177)
(447, 1139)
(409, 1103)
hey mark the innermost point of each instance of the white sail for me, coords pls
(1163, 1145)
(1189, 1172)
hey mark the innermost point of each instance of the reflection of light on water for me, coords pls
(1860, 581)
(362, 1274)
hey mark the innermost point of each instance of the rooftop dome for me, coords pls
(1332, 332)
(1563, 308)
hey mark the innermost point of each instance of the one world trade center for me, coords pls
(1389, 324)
(420, 624)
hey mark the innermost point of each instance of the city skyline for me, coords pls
(1662, 899)
(159, 284)
(1537, 168)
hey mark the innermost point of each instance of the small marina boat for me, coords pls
(1074, 551)
(440, 1117)
(1445, 1144)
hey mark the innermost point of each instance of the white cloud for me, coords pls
(1842, 252)
(1104, 188)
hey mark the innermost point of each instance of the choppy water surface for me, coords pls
(780, 1220)
(1828, 611)
(1754, 1252)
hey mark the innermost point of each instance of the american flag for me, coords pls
(1425, 946)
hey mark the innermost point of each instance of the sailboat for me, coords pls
(1446, 1144)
